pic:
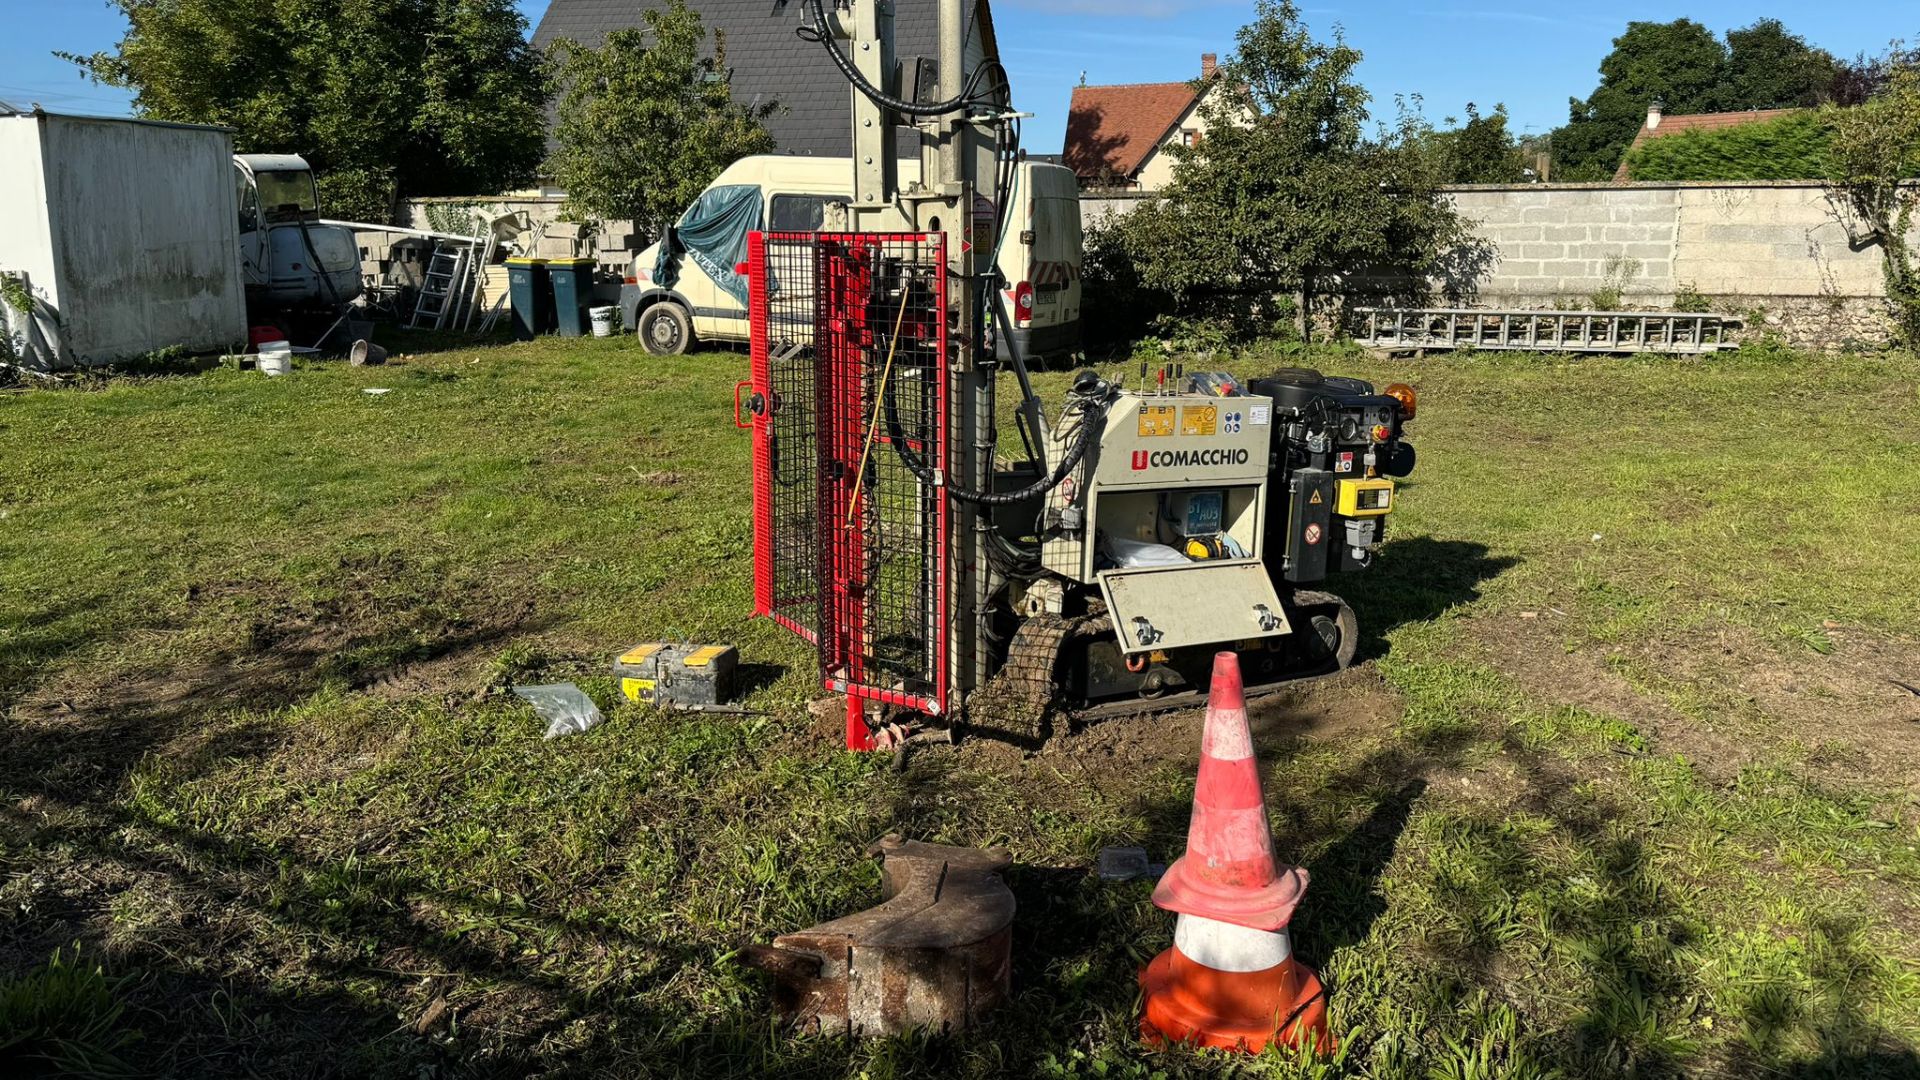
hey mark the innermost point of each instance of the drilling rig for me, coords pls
(1092, 565)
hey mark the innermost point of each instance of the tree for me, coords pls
(385, 98)
(1482, 150)
(1680, 64)
(1769, 68)
(646, 121)
(1287, 196)
(1866, 76)
(1872, 155)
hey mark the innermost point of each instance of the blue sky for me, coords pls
(1532, 56)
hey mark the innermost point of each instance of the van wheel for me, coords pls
(666, 329)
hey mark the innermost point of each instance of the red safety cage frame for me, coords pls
(849, 407)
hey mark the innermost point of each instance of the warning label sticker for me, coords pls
(1316, 500)
(637, 689)
(1156, 420)
(1343, 463)
(1199, 420)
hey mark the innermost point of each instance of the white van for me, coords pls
(697, 298)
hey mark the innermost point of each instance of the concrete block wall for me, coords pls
(1776, 239)
(1573, 241)
(611, 243)
(1777, 252)
(1788, 239)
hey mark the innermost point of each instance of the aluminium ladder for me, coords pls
(439, 290)
(1545, 331)
(444, 287)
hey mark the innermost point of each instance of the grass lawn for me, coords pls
(1627, 784)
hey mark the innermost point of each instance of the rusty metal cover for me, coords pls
(935, 953)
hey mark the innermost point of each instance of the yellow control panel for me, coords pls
(1363, 498)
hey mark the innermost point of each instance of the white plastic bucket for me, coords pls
(602, 318)
(276, 358)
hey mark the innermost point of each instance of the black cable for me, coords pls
(320, 270)
(823, 34)
(1091, 412)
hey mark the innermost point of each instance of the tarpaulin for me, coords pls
(713, 233)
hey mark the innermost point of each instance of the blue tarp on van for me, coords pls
(713, 233)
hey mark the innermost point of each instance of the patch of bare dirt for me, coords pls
(1357, 703)
(1846, 714)
(1852, 707)
(1533, 653)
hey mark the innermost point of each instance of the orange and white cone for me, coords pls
(1231, 981)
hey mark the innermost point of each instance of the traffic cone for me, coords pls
(1231, 981)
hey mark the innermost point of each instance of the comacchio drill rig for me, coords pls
(1095, 570)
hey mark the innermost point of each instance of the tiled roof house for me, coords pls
(1116, 134)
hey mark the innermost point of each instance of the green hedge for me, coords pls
(1791, 147)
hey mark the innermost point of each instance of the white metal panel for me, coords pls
(1203, 603)
(144, 230)
(26, 246)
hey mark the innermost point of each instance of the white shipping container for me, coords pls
(127, 234)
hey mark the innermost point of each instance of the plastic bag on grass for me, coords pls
(565, 707)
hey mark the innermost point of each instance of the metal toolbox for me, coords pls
(668, 673)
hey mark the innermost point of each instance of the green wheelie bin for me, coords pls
(572, 294)
(530, 296)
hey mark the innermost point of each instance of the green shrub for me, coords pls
(1114, 306)
(1791, 147)
(1689, 298)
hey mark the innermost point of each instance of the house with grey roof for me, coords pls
(771, 63)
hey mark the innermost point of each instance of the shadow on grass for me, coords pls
(1506, 901)
(1415, 580)
(72, 837)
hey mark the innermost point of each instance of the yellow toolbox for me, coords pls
(669, 673)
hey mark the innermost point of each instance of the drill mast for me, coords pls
(955, 197)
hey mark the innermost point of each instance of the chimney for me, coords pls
(1653, 114)
(1208, 61)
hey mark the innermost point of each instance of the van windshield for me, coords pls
(287, 192)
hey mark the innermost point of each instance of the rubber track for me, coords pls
(1024, 695)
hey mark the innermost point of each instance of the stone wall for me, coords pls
(1777, 253)
(1095, 206)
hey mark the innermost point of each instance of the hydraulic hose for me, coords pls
(821, 32)
(1090, 424)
